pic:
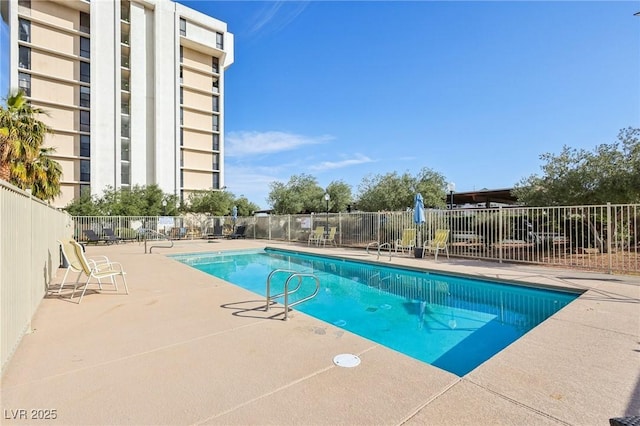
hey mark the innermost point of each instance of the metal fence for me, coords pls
(602, 238)
(30, 257)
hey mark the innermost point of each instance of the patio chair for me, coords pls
(215, 232)
(331, 237)
(407, 242)
(316, 235)
(97, 271)
(239, 232)
(110, 236)
(92, 237)
(182, 233)
(439, 242)
(72, 262)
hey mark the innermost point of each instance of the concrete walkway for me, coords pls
(188, 348)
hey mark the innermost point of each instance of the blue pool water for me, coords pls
(451, 322)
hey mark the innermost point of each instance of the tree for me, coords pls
(84, 206)
(301, 194)
(42, 175)
(341, 196)
(137, 201)
(217, 203)
(245, 207)
(396, 192)
(611, 173)
(432, 186)
(23, 159)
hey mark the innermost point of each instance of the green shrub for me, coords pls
(126, 233)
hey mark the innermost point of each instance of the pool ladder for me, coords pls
(292, 274)
(379, 247)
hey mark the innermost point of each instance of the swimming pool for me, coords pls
(451, 322)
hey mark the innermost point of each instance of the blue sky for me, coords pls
(473, 90)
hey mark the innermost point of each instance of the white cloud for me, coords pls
(275, 16)
(329, 165)
(253, 143)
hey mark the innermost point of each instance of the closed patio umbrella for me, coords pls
(234, 216)
(418, 215)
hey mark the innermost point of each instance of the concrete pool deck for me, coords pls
(187, 348)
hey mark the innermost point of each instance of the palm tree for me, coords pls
(5, 173)
(42, 175)
(21, 152)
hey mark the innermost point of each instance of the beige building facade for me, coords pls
(134, 90)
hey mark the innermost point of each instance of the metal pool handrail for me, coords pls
(286, 293)
(380, 246)
(157, 237)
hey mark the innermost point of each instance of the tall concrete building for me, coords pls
(134, 90)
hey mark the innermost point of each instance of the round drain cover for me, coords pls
(346, 360)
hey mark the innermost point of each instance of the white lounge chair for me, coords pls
(316, 235)
(331, 237)
(407, 242)
(97, 271)
(72, 262)
(439, 242)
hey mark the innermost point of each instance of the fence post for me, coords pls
(500, 237)
(269, 227)
(31, 308)
(609, 254)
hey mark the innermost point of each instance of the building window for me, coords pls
(215, 65)
(85, 170)
(85, 97)
(124, 126)
(85, 47)
(85, 72)
(24, 3)
(24, 30)
(124, 174)
(216, 121)
(24, 82)
(216, 142)
(85, 121)
(219, 40)
(124, 11)
(181, 54)
(183, 27)
(216, 162)
(216, 104)
(124, 150)
(24, 57)
(181, 179)
(85, 146)
(215, 181)
(85, 23)
(181, 95)
(85, 190)
(214, 86)
(181, 116)
(181, 158)
(181, 137)
(180, 75)
(124, 84)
